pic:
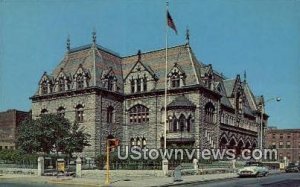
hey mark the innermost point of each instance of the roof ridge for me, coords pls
(153, 51)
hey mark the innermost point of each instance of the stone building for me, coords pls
(286, 141)
(9, 121)
(124, 96)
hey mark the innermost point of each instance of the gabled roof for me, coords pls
(155, 60)
(229, 86)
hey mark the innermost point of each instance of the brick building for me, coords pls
(124, 96)
(286, 141)
(9, 121)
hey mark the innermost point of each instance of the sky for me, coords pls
(261, 37)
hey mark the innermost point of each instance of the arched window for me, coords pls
(138, 85)
(61, 111)
(44, 111)
(110, 115)
(61, 84)
(189, 124)
(145, 84)
(132, 142)
(182, 123)
(44, 87)
(174, 125)
(132, 86)
(138, 114)
(175, 80)
(80, 81)
(144, 142)
(138, 142)
(79, 113)
(209, 112)
(110, 83)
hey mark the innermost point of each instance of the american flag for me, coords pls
(171, 22)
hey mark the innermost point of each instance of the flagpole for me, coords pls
(166, 78)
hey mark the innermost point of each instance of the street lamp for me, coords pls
(277, 99)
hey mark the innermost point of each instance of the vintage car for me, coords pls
(253, 169)
(292, 168)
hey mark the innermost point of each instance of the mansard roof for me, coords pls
(181, 102)
(181, 55)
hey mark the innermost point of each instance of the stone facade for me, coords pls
(9, 121)
(124, 96)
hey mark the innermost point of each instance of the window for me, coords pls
(145, 84)
(138, 85)
(174, 125)
(280, 156)
(175, 80)
(281, 136)
(44, 87)
(188, 124)
(289, 136)
(181, 122)
(144, 143)
(110, 83)
(138, 114)
(6, 147)
(298, 144)
(79, 80)
(44, 111)
(79, 113)
(109, 117)
(138, 142)
(209, 112)
(61, 84)
(0, 148)
(61, 111)
(288, 144)
(273, 136)
(132, 86)
(280, 144)
(273, 145)
(132, 142)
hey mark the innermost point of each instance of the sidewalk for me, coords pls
(117, 182)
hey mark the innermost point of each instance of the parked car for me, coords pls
(253, 169)
(292, 168)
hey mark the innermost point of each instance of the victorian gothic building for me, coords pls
(124, 96)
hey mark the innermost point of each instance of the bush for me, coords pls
(17, 156)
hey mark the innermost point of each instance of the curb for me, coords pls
(202, 181)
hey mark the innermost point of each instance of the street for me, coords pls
(282, 180)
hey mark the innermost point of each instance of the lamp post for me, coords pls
(263, 104)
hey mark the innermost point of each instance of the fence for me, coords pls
(18, 164)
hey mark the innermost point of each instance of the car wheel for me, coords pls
(266, 174)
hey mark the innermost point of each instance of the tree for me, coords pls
(51, 133)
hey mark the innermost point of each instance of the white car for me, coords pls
(253, 169)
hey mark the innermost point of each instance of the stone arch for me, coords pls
(232, 142)
(223, 141)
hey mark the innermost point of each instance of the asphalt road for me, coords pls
(277, 180)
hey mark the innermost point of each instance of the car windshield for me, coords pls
(253, 164)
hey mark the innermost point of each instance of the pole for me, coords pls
(261, 126)
(107, 180)
(166, 77)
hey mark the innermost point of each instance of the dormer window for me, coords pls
(110, 83)
(44, 87)
(80, 81)
(175, 80)
(132, 86)
(145, 83)
(61, 84)
(138, 85)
